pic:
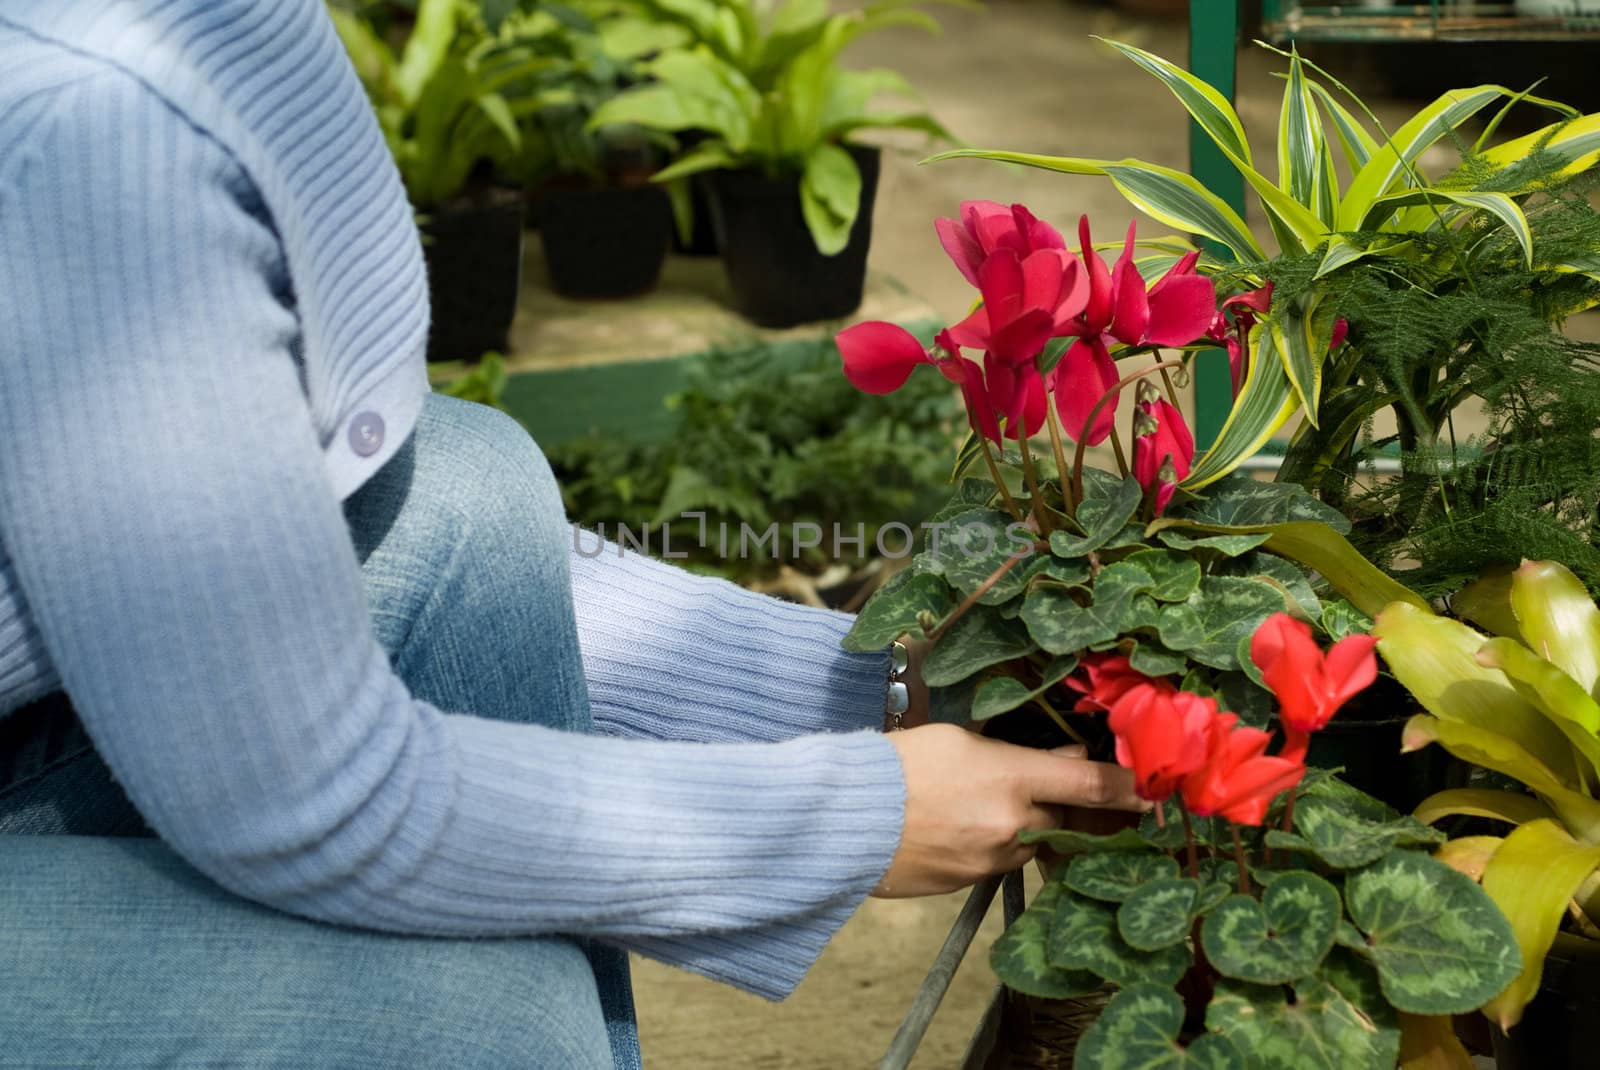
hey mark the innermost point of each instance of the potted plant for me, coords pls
(1126, 610)
(775, 117)
(1518, 699)
(440, 107)
(605, 227)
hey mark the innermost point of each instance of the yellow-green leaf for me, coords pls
(1429, 1042)
(1300, 137)
(1556, 694)
(1577, 141)
(1436, 659)
(1558, 619)
(1469, 854)
(1492, 750)
(1505, 806)
(1531, 878)
(1486, 602)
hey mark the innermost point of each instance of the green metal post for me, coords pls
(1213, 47)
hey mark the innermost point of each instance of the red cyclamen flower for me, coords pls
(1163, 456)
(1310, 686)
(1178, 309)
(1245, 308)
(1161, 735)
(1105, 678)
(1027, 300)
(1238, 780)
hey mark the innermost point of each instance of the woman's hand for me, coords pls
(967, 797)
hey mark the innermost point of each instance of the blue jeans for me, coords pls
(114, 952)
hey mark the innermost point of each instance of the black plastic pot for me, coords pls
(474, 252)
(1369, 752)
(702, 231)
(779, 279)
(1556, 1030)
(605, 241)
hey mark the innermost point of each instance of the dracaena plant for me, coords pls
(1260, 916)
(1453, 286)
(1517, 698)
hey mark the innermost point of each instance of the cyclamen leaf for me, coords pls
(1341, 619)
(1280, 939)
(1241, 501)
(1101, 518)
(1439, 944)
(1226, 545)
(1209, 626)
(1060, 625)
(1152, 659)
(973, 546)
(1300, 600)
(1071, 841)
(893, 610)
(1005, 693)
(1116, 875)
(1084, 937)
(982, 637)
(1019, 955)
(1173, 576)
(1159, 913)
(1322, 1030)
(1357, 829)
(1139, 1030)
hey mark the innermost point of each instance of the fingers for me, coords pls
(1055, 778)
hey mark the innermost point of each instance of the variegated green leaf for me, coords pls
(1266, 401)
(1173, 197)
(1282, 938)
(1139, 1030)
(1204, 103)
(1577, 142)
(1019, 956)
(1300, 138)
(1439, 944)
(1084, 937)
(1496, 204)
(1357, 143)
(1159, 913)
(1341, 252)
(1391, 160)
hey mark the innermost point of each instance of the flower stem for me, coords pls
(1238, 857)
(982, 589)
(1116, 444)
(994, 472)
(1068, 506)
(1188, 840)
(1061, 722)
(1088, 424)
(1172, 391)
(1041, 518)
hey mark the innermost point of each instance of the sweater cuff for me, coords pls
(668, 654)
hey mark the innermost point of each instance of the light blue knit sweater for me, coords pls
(210, 285)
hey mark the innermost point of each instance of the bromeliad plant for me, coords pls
(1261, 916)
(1049, 561)
(1521, 701)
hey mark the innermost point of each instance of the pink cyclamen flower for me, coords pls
(1178, 309)
(879, 357)
(986, 227)
(1232, 325)
(1164, 455)
(1027, 300)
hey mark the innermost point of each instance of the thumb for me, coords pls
(1075, 750)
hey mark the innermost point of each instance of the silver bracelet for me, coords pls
(897, 698)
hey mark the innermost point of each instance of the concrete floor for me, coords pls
(1024, 75)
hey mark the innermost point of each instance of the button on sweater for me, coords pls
(212, 317)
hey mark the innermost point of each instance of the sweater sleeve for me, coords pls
(719, 663)
(173, 530)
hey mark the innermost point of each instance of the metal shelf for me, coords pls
(1284, 20)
